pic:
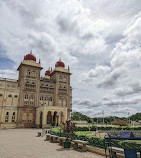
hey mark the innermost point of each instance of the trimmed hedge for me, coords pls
(103, 128)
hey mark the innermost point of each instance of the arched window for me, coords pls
(31, 97)
(25, 102)
(15, 96)
(13, 117)
(9, 95)
(26, 96)
(50, 99)
(7, 116)
(64, 79)
(33, 73)
(31, 103)
(28, 72)
(1, 94)
(50, 103)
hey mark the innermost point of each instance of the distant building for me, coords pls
(134, 123)
(81, 123)
(35, 101)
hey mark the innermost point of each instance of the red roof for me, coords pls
(60, 64)
(30, 57)
(47, 72)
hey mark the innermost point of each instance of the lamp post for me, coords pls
(80, 120)
(103, 116)
(128, 118)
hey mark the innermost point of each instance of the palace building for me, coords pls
(35, 101)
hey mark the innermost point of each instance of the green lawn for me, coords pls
(86, 133)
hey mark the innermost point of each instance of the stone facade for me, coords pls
(33, 100)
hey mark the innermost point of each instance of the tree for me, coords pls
(136, 117)
(77, 116)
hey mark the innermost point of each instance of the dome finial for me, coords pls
(31, 51)
(60, 59)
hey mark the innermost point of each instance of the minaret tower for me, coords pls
(62, 91)
(29, 83)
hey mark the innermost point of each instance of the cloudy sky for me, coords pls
(99, 39)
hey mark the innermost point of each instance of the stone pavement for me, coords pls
(23, 143)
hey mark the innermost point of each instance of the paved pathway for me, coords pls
(23, 143)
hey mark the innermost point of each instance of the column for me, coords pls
(59, 118)
(37, 121)
(3, 115)
(44, 119)
(56, 119)
(51, 116)
(62, 118)
(10, 115)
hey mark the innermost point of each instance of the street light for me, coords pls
(129, 118)
(80, 120)
(103, 115)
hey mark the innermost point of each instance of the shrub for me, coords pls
(68, 128)
(103, 128)
(119, 122)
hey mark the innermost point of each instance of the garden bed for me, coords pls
(96, 141)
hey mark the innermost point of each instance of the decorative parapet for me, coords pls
(8, 79)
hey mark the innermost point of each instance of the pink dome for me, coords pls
(60, 64)
(30, 57)
(47, 73)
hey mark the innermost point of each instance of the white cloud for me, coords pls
(127, 90)
(8, 74)
(100, 40)
(92, 74)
